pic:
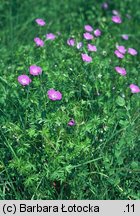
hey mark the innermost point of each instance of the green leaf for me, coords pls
(120, 101)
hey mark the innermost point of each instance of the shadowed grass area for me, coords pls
(41, 157)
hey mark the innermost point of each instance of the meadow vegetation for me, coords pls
(70, 129)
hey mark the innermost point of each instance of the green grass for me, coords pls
(41, 157)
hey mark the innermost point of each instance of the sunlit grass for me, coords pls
(42, 154)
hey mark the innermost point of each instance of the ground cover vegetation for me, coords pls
(69, 99)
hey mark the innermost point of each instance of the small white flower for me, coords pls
(99, 75)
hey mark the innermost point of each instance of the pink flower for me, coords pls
(54, 95)
(92, 48)
(40, 22)
(88, 36)
(116, 19)
(86, 57)
(121, 49)
(105, 5)
(35, 70)
(71, 42)
(132, 51)
(118, 54)
(97, 32)
(134, 88)
(39, 42)
(121, 70)
(71, 122)
(125, 37)
(88, 28)
(24, 80)
(50, 36)
(79, 45)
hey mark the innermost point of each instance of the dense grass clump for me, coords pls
(69, 106)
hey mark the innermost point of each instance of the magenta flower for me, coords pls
(71, 122)
(118, 54)
(121, 70)
(35, 70)
(50, 36)
(86, 57)
(97, 32)
(134, 88)
(116, 19)
(71, 42)
(39, 42)
(121, 49)
(105, 5)
(54, 95)
(24, 80)
(132, 51)
(88, 36)
(125, 37)
(92, 48)
(40, 22)
(88, 28)
(79, 45)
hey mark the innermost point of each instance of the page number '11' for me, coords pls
(130, 208)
